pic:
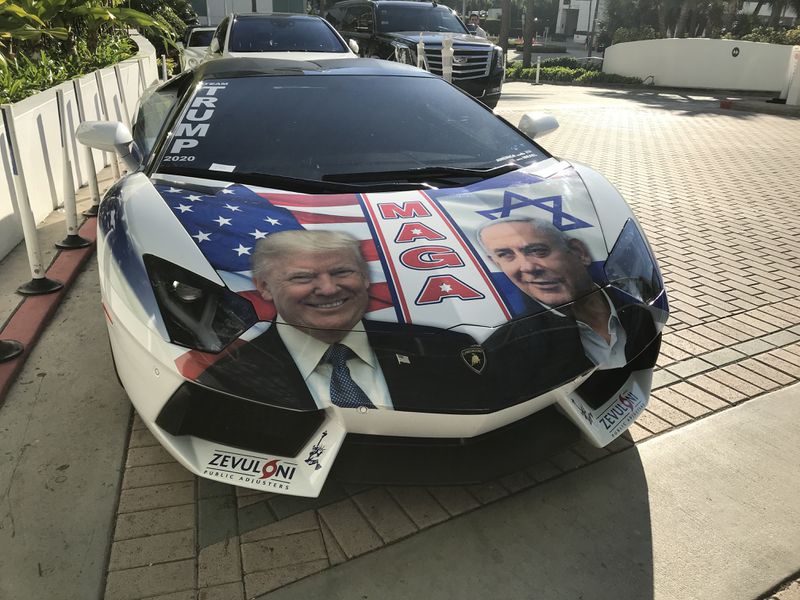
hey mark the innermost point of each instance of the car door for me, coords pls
(217, 46)
(358, 23)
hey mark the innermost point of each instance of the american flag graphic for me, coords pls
(227, 225)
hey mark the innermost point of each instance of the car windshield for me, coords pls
(201, 39)
(425, 17)
(283, 34)
(338, 128)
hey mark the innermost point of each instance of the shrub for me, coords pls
(600, 77)
(25, 76)
(514, 70)
(559, 74)
(768, 35)
(563, 74)
(562, 61)
(625, 34)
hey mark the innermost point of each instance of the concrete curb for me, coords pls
(34, 312)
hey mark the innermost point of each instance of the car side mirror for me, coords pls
(536, 125)
(364, 26)
(214, 46)
(179, 45)
(353, 45)
(109, 136)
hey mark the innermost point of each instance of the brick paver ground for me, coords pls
(716, 192)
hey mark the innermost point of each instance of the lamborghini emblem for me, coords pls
(474, 357)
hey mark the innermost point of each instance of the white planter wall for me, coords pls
(702, 63)
(38, 134)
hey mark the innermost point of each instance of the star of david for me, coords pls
(552, 204)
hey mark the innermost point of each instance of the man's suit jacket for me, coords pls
(423, 366)
(635, 318)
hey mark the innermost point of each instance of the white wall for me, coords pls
(38, 135)
(702, 63)
(218, 10)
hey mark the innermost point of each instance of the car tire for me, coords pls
(491, 102)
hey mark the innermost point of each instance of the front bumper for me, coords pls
(484, 88)
(254, 445)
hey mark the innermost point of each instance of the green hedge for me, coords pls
(543, 49)
(25, 76)
(769, 35)
(565, 74)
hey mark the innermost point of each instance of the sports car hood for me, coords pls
(471, 257)
(474, 285)
(436, 38)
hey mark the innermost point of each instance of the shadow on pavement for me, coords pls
(584, 535)
(676, 100)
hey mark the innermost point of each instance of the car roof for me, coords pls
(393, 2)
(220, 68)
(275, 15)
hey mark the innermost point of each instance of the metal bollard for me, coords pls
(538, 68)
(420, 53)
(10, 349)
(447, 59)
(164, 67)
(73, 240)
(88, 155)
(39, 284)
(104, 110)
(142, 77)
(122, 100)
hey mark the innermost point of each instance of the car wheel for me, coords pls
(491, 102)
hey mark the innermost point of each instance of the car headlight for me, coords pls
(631, 268)
(192, 62)
(499, 57)
(197, 313)
(403, 54)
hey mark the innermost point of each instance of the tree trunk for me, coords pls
(683, 18)
(505, 21)
(662, 19)
(775, 16)
(731, 10)
(527, 43)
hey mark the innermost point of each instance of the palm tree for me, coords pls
(505, 22)
(527, 34)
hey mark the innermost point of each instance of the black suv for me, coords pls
(390, 29)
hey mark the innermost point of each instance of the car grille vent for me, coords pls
(468, 62)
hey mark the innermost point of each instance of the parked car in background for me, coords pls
(391, 29)
(195, 43)
(285, 36)
(307, 255)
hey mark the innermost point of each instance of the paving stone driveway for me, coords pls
(717, 193)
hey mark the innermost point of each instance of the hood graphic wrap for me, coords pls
(511, 271)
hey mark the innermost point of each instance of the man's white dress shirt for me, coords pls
(606, 355)
(307, 352)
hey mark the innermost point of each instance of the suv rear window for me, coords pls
(281, 34)
(202, 38)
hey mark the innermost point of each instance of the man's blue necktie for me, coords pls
(344, 391)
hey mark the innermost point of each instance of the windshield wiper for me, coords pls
(423, 173)
(294, 184)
